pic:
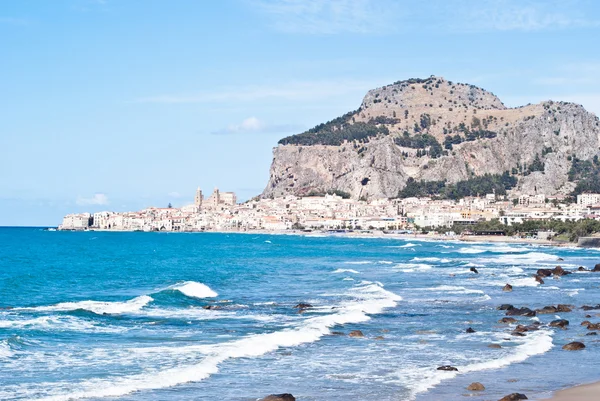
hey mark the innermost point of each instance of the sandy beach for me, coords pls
(587, 392)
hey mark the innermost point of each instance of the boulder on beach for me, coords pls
(538, 279)
(588, 307)
(564, 308)
(495, 346)
(507, 288)
(476, 387)
(279, 397)
(592, 333)
(356, 333)
(546, 310)
(574, 346)
(593, 326)
(505, 307)
(514, 397)
(562, 323)
(586, 322)
(507, 320)
(448, 368)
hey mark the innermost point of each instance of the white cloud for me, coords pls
(287, 91)
(174, 194)
(254, 125)
(97, 199)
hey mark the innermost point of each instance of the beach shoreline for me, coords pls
(582, 392)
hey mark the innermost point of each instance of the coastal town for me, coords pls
(221, 212)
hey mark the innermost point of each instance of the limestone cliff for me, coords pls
(435, 129)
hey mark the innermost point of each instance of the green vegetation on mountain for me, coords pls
(339, 130)
(475, 186)
(587, 175)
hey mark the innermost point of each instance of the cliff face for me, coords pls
(474, 134)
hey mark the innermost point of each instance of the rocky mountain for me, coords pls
(437, 130)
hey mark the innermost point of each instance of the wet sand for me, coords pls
(587, 392)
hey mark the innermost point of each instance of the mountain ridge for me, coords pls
(433, 129)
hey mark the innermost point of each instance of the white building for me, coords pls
(588, 199)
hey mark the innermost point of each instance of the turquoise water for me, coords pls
(98, 315)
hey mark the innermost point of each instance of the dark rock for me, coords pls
(559, 271)
(356, 333)
(538, 279)
(581, 269)
(574, 346)
(505, 307)
(507, 320)
(596, 268)
(507, 288)
(476, 387)
(520, 312)
(587, 307)
(593, 326)
(470, 330)
(474, 270)
(592, 333)
(495, 346)
(514, 397)
(448, 368)
(564, 308)
(337, 333)
(303, 306)
(586, 322)
(560, 260)
(588, 316)
(379, 338)
(546, 309)
(544, 272)
(517, 334)
(562, 323)
(212, 307)
(279, 397)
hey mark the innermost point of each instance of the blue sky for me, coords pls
(122, 104)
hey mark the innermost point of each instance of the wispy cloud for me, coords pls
(586, 73)
(391, 16)
(523, 15)
(97, 199)
(289, 91)
(254, 125)
(330, 16)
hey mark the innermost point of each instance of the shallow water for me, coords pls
(98, 315)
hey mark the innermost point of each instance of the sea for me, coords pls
(207, 316)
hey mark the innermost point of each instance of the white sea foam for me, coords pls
(347, 279)
(413, 267)
(346, 271)
(195, 290)
(59, 323)
(409, 245)
(423, 379)
(471, 250)
(97, 307)
(452, 290)
(367, 299)
(5, 350)
(430, 259)
(385, 262)
(359, 262)
(521, 259)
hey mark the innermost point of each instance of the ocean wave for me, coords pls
(5, 350)
(423, 379)
(450, 289)
(409, 245)
(430, 259)
(521, 259)
(346, 271)
(412, 267)
(97, 307)
(366, 299)
(59, 323)
(194, 289)
(359, 262)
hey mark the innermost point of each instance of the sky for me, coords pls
(120, 104)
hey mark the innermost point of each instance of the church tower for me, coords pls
(198, 198)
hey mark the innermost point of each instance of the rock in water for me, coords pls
(574, 346)
(562, 323)
(470, 330)
(448, 368)
(303, 305)
(476, 387)
(507, 288)
(474, 270)
(539, 279)
(544, 272)
(514, 397)
(559, 271)
(596, 268)
(356, 333)
(495, 346)
(507, 320)
(279, 397)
